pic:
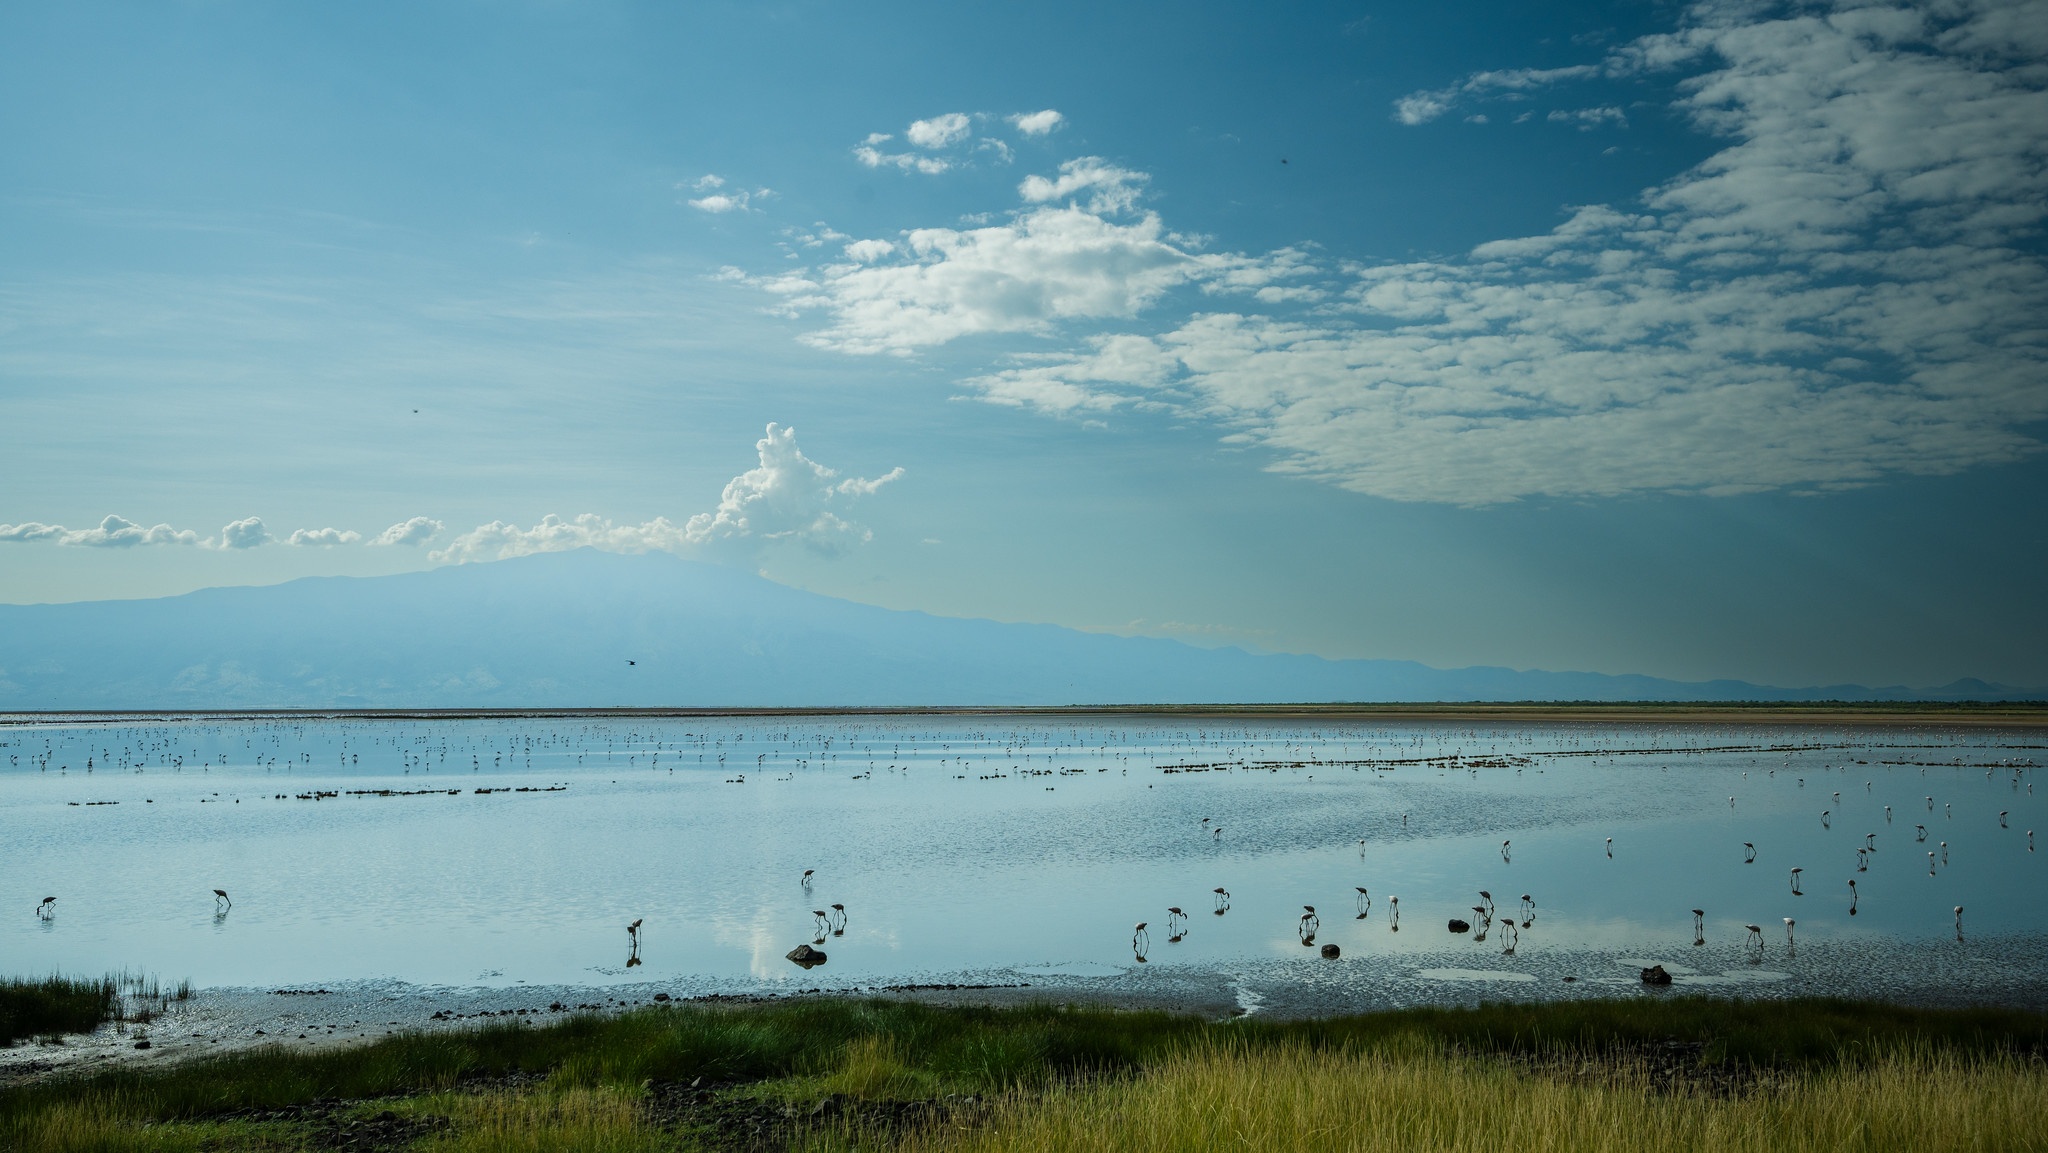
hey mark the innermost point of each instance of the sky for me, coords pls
(1691, 340)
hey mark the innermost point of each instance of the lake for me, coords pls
(1007, 850)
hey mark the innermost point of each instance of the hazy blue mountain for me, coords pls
(560, 629)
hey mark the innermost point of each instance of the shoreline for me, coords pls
(1874, 714)
(341, 1014)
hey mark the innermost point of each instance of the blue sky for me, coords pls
(1698, 341)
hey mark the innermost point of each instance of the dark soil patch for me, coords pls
(723, 1121)
(330, 1129)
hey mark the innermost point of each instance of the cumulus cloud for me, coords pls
(245, 533)
(1093, 257)
(1109, 188)
(322, 537)
(787, 497)
(112, 532)
(874, 157)
(417, 531)
(718, 198)
(940, 131)
(927, 138)
(1849, 289)
(30, 531)
(1038, 123)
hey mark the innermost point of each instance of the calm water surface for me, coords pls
(498, 852)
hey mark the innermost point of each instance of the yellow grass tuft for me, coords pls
(1297, 1099)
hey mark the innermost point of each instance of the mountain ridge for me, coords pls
(559, 630)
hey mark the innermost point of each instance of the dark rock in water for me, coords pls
(1458, 926)
(663, 996)
(143, 1044)
(806, 956)
(1331, 952)
(1655, 975)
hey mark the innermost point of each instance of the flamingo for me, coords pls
(1789, 942)
(1959, 922)
(1140, 940)
(1795, 881)
(1749, 853)
(1610, 847)
(1699, 923)
(1852, 896)
(806, 881)
(1310, 922)
(220, 896)
(1756, 936)
(47, 909)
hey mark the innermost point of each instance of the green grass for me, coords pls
(593, 1070)
(53, 1005)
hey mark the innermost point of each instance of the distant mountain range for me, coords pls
(590, 629)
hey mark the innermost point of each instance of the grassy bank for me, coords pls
(1678, 1073)
(55, 1005)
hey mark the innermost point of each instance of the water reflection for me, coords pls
(354, 854)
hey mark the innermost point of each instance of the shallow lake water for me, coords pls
(505, 852)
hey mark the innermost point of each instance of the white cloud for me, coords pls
(787, 497)
(1037, 123)
(1589, 118)
(322, 537)
(498, 539)
(1111, 189)
(1428, 104)
(1050, 264)
(1046, 265)
(30, 531)
(718, 199)
(112, 532)
(1850, 289)
(868, 251)
(908, 161)
(245, 533)
(417, 531)
(940, 131)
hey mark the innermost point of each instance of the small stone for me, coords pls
(806, 956)
(1458, 926)
(143, 1044)
(1331, 952)
(661, 996)
(1655, 975)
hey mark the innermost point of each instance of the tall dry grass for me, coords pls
(1293, 1098)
